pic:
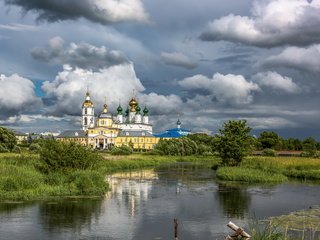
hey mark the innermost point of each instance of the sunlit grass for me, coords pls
(248, 175)
(272, 169)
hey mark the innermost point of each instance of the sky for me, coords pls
(205, 62)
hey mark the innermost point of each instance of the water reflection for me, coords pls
(131, 188)
(69, 213)
(12, 207)
(143, 204)
(234, 200)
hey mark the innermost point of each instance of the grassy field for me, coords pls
(21, 177)
(272, 169)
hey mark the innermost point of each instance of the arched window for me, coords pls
(85, 121)
(85, 111)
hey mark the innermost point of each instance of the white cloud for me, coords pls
(69, 87)
(101, 11)
(82, 55)
(307, 59)
(229, 89)
(17, 94)
(273, 23)
(276, 81)
(161, 104)
(178, 59)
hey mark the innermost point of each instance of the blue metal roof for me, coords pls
(173, 133)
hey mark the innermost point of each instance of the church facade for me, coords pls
(105, 130)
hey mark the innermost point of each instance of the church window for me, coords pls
(85, 111)
(85, 121)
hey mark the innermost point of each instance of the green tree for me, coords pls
(309, 146)
(269, 140)
(7, 139)
(234, 142)
(64, 155)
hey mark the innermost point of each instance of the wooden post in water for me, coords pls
(175, 222)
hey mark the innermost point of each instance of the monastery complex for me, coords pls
(130, 127)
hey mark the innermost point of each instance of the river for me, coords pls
(143, 204)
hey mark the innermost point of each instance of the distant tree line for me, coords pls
(233, 142)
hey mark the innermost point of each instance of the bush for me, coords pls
(269, 152)
(178, 147)
(123, 150)
(3, 149)
(87, 183)
(7, 138)
(16, 149)
(35, 147)
(62, 156)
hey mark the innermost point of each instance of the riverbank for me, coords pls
(21, 177)
(272, 169)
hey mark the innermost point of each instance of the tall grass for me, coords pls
(272, 169)
(248, 175)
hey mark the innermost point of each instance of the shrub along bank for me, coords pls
(68, 169)
(62, 169)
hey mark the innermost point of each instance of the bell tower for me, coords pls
(87, 113)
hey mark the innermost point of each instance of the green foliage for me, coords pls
(269, 152)
(123, 150)
(7, 139)
(265, 231)
(269, 140)
(248, 175)
(183, 146)
(86, 182)
(59, 155)
(3, 149)
(234, 142)
(16, 149)
(35, 147)
(309, 146)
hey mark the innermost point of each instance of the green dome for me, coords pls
(145, 111)
(119, 109)
(138, 109)
(127, 111)
(178, 122)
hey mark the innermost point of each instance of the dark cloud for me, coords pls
(273, 23)
(179, 60)
(104, 12)
(82, 55)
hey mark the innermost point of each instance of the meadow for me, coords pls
(272, 169)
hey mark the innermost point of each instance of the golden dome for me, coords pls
(133, 104)
(87, 102)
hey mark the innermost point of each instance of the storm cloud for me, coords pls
(178, 59)
(101, 11)
(82, 55)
